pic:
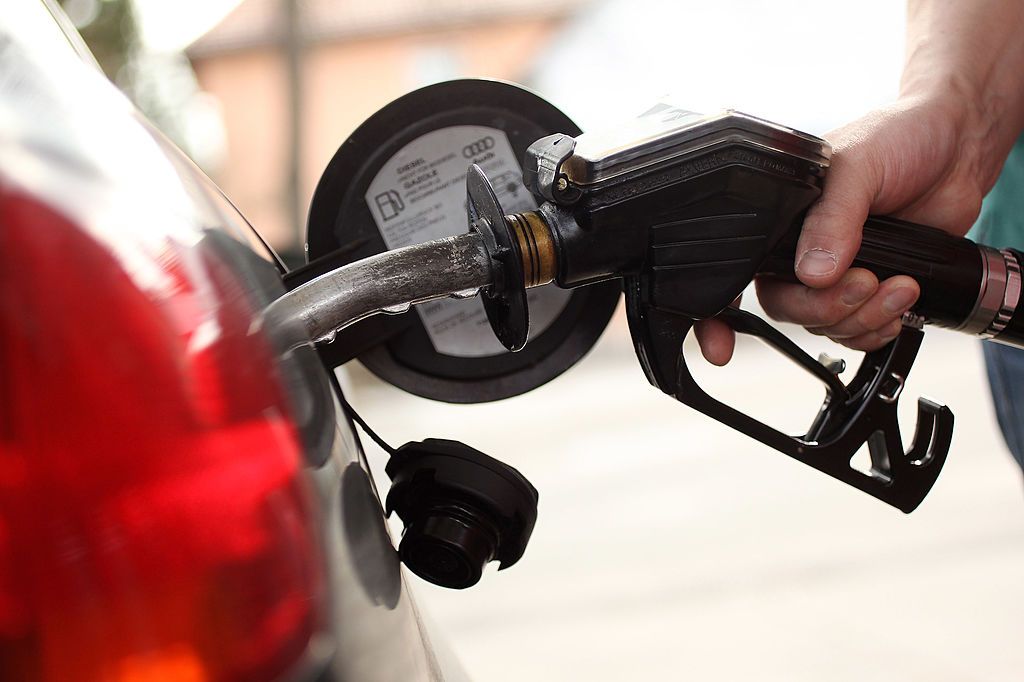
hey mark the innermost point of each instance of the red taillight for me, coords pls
(153, 519)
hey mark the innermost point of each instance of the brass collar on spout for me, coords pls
(536, 247)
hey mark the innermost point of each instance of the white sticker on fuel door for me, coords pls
(420, 194)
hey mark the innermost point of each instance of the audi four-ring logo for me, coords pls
(479, 147)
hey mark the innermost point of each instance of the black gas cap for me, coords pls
(461, 510)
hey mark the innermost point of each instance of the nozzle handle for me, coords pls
(965, 286)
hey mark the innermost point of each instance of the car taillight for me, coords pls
(154, 522)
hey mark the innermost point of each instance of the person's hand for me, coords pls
(919, 159)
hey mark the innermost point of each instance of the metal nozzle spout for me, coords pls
(522, 255)
(389, 282)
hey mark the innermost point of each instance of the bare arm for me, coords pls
(929, 157)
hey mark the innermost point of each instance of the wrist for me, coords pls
(965, 59)
(981, 119)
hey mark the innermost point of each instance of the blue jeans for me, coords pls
(1005, 366)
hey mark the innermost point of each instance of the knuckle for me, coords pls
(830, 311)
(811, 308)
(869, 319)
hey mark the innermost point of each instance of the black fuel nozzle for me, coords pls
(688, 209)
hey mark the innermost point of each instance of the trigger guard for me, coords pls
(861, 414)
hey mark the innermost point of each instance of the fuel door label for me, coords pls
(419, 194)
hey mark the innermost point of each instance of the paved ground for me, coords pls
(669, 547)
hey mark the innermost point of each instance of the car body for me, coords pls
(181, 495)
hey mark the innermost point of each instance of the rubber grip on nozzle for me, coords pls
(965, 286)
(949, 269)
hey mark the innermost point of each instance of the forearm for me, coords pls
(971, 54)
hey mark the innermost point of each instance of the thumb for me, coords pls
(832, 229)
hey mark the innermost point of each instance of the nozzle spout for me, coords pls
(389, 282)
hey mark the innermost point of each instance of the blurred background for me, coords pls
(668, 546)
